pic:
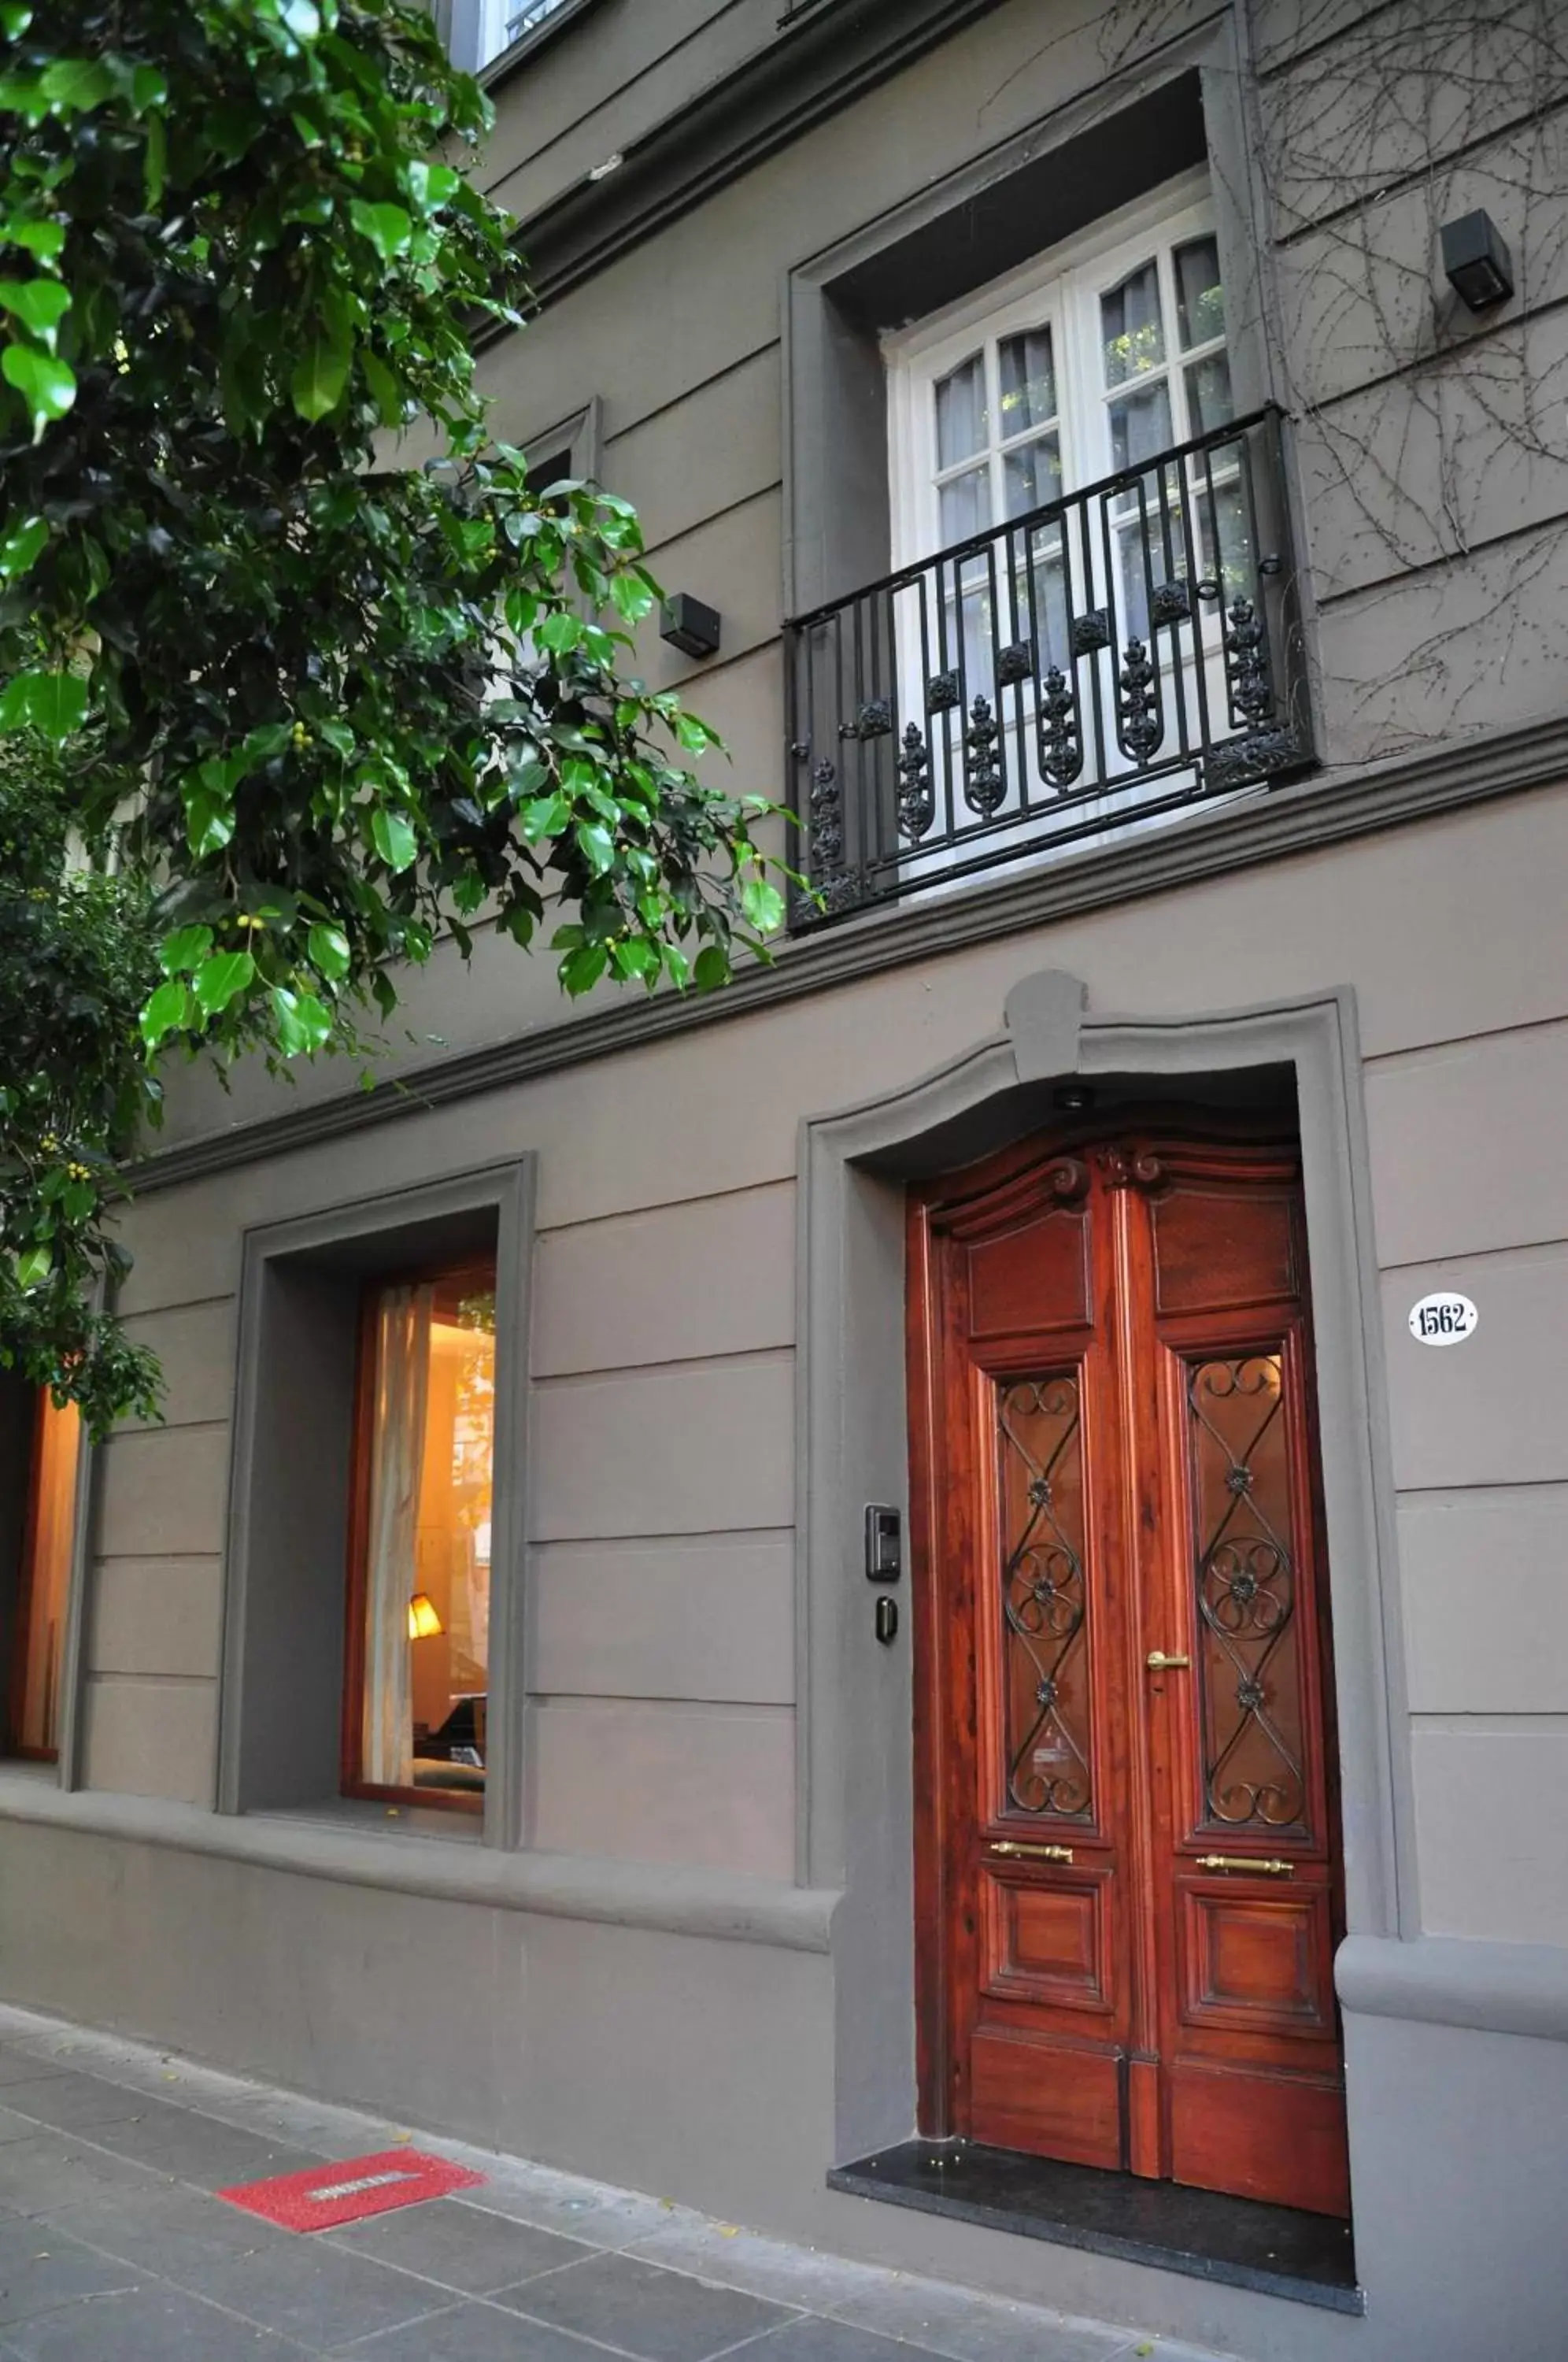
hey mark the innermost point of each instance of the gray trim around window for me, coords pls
(280, 1696)
(855, 1804)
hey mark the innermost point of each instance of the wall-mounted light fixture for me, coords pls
(1476, 261)
(424, 1618)
(687, 626)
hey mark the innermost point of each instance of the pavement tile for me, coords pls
(464, 2248)
(472, 2332)
(151, 2325)
(174, 2232)
(68, 2100)
(660, 2315)
(14, 2127)
(199, 2149)
(53, 2171)
(588, 2210)
(815, 2340)
(21, 2066)
(966, 2327)
(317, 2294)
(744, 2259)
(41, 2268)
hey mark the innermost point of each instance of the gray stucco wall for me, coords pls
(661, 1645)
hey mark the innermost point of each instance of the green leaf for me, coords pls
(560, 632)
(209, 819)
(221, 978)
(763, 904)
(15, 17)
(322, 370)
(20, 547)
(304, 1024)
(596, 845)
(388, 227)
(581, 969)
(40, 304)
(430, 185)
(630, 596)
(42, 239)
(165, 1012)
(382, 387)
(33, 1266)
(711, 969)
(546, 816)
(47, 385)
(329, 947)
(52, 702)
(183, 949)
(76, 84)
(393, 840)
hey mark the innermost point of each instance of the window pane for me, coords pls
(428, 1548)
(1032, 476)
(1200, 299)
(46, 1579)
(1141, 425)
(1208, 400)
(966, 505)
(1132, 335)
(963, 426)
(1028, 381)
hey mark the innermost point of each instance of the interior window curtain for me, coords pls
(397, 1456)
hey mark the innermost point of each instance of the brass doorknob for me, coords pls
(1158, 1663)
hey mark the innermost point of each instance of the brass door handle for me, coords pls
(1261, 1867)
(1033, 1852)
(1158, 1663)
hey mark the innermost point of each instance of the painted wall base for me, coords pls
(702, 2069)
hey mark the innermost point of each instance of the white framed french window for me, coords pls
(1101, 354)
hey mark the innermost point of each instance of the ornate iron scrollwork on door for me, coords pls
(1045, 1597)
(1253, 1772)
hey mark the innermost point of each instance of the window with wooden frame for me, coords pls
(43, 1591)
(416, 1690)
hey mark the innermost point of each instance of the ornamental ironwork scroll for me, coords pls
(1045, 1597)
(1247, 1594)
(1090, 666)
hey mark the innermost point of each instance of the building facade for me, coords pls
(729, 1579)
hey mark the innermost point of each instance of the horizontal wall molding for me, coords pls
(809, 72)
(1270, 826)
(662, 1896)
(1446, 1980)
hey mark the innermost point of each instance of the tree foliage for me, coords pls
(319, 703)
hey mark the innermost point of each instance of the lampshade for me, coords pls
(423, 1621)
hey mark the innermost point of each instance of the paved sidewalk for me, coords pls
(113, 2248)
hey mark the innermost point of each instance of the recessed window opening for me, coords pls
(34, 1705)
(417, 1690)
(1091, 638)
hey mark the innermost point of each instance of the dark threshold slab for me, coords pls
(1276, 2249)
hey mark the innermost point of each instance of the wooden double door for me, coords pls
(1128, 1873)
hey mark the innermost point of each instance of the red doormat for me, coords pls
(328, 2195)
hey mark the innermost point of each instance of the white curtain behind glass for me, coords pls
(397, 1455)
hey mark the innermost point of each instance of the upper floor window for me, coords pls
(417, 1707)
(1090, 362)
(479, 31)
(1091, 622)
(43, 1591)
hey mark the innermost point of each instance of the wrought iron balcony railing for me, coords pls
(1080, 672)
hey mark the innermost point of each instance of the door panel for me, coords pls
(1127, 1874)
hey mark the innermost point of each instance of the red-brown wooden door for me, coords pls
(1128, 1874)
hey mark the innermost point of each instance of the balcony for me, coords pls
(1064, 680)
